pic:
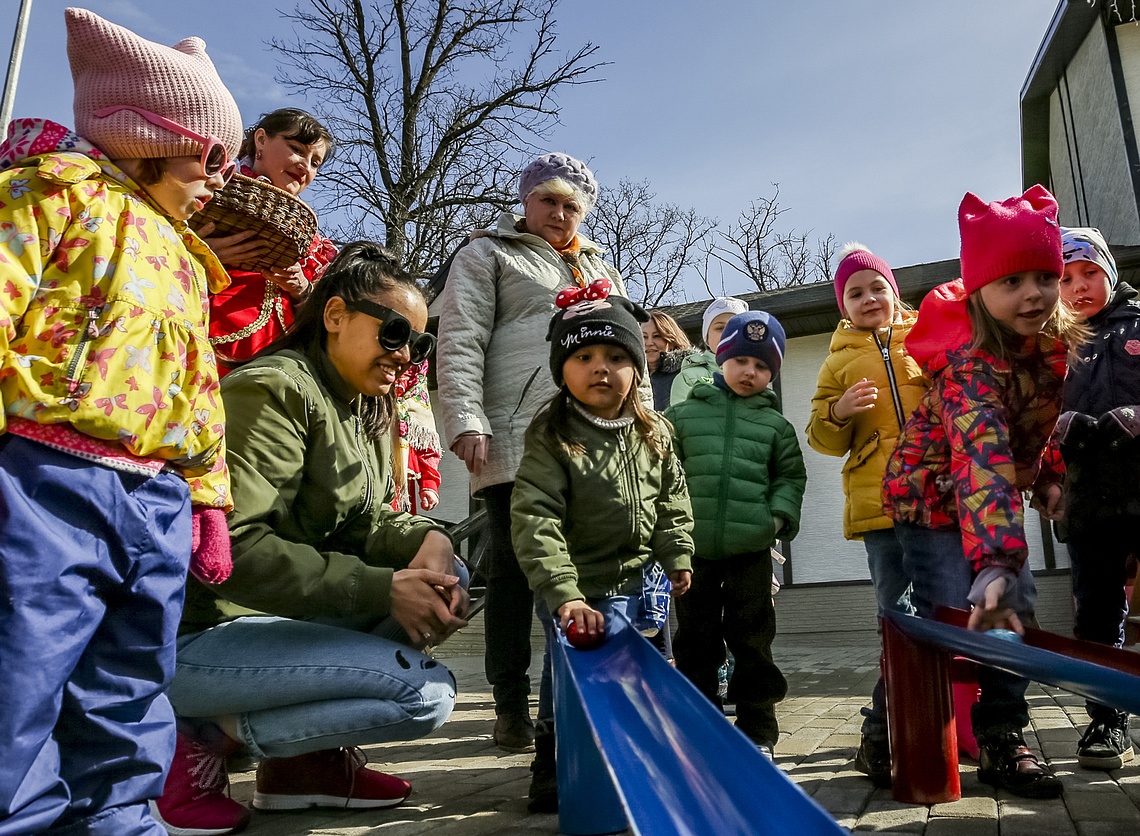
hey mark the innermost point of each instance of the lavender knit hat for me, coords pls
(561, 166)
(111, 66)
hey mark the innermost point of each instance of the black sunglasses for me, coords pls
(396, 332)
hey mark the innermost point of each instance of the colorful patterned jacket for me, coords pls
(977, 440)
(103, 315)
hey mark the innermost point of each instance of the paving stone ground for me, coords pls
(464, 786)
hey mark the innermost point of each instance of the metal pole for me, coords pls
(14, 60)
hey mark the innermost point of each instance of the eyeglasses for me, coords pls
(215, 160)
(396, 332)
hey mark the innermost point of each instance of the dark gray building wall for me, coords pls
(1087, 157)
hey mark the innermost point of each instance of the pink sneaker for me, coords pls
(195, 800)
(328, 778)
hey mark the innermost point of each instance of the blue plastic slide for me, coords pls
(1096, 682)
(639, 745)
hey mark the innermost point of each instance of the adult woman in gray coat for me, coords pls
(493, 377)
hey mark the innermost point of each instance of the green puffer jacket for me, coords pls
(313, 530)
(584, 525)
(744, 468)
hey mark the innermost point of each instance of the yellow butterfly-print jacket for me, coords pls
(103, 318)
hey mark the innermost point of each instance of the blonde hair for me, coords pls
(558, 187)
(1000, 340)
(674, 335)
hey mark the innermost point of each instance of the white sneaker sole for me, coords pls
(189, 831)
(1114, 762)
(267, 801)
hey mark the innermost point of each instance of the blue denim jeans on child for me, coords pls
(92, 578)
(942, 576)
(892, 592)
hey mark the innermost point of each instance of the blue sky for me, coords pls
(874, 116)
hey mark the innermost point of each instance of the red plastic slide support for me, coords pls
(920, 716)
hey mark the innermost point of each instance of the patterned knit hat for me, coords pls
(853, 258)
(1087, 244)
(1010, 236)
(590, 315)
(720, 305)
(563, 167)
(753, 334)
(113, 66)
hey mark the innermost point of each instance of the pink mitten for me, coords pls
(210, 560)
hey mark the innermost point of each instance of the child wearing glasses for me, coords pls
(599, 492)
(112, 476)
(310, 648)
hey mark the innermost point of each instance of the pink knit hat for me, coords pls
(1010, 236)
(853, 258)
(113, 66)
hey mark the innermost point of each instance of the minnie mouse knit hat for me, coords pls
(1009, 236)
(113, 66)
(563, 167)
(590, 315)
(853, 258)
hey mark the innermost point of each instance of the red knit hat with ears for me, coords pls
(113, 66)
(1010, 236)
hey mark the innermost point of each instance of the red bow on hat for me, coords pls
(597, 289)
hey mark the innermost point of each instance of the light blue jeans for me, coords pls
(942, 576)
(299, 686)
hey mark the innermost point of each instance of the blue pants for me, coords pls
(892, 592)
(92, 577)
(1099, 563)
(942, 576)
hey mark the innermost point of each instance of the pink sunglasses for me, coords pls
(215, 160)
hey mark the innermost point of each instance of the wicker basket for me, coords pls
(283, 221)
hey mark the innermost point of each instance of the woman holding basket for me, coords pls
(286, 149)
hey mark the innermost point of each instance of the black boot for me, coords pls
(1006, 762)
(544, 774)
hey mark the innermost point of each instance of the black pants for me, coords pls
(730, 602)
(509, 609)
(1099, 560)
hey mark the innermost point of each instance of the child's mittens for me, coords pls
(210, 560)
(1074, 430)
(1119, 425)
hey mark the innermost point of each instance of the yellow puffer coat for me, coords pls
(869, 437)
(103, 321)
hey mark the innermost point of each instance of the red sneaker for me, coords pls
(328, 778)
(195, 800)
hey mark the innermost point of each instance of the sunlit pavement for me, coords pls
(463, 785)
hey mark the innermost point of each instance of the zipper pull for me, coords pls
(621, 441)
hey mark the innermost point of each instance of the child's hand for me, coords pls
(990, 615)
(1048, 502)
(428, 499)
(859, 398)
(589, 621)
(681, 579)
(233, 248)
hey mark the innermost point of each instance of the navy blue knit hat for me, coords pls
(753, 334)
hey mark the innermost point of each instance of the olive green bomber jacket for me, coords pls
(312, 531)
(584, 525)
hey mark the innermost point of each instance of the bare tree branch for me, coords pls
(653, 245)
(768, 256)
(435, 105)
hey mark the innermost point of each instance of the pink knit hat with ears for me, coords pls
(853, 258)
(1009, 236)
(113, 66)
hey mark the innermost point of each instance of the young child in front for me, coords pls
(994, 346)
(1098, 434)
(746, 481)
(701, 366)
(599, 492)
(867, 388)
(112, 476)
